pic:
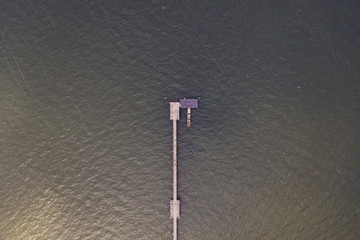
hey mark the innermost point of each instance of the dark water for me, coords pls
(85, 136)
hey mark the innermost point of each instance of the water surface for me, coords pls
(85, 136)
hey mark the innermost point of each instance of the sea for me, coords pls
(272, 153)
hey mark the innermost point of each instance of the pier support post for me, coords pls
(188, 117)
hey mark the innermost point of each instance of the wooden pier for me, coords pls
(174, 203)
(175, 116)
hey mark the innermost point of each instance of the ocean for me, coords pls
(85, 136)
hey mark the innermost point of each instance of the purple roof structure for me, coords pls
(188, 103)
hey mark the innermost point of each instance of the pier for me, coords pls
(175, 116)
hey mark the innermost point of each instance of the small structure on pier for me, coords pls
(188, 103)
(175, 116)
